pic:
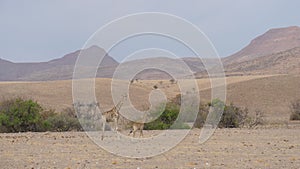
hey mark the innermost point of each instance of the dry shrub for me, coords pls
(295, 110)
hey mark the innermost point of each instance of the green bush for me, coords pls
(62, 122)
(232, 116)
(19, 115)
(295, 110)
(166, 119)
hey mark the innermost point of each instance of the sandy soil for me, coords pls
(227, 148)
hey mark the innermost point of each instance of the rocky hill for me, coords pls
(271, 42)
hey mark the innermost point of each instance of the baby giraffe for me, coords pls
(138, 125)
(135, 127)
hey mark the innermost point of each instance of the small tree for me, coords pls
(233, 116)
(172, 81)
(295, 110)
(258, 119)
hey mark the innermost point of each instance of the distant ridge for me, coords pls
(273, 41)
(62, 68)
(57, 69)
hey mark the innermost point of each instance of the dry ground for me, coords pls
(227, 148)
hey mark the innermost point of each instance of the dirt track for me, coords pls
(227, 148)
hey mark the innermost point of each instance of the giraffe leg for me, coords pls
(116, 128)
(103, 127)
(141, 132)
(135, 128)
(130, 132)
(134, 133)
(116, 125)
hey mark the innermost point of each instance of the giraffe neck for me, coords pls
(119, 105)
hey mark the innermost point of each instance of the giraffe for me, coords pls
(112, 115)
(138, 126)
(135, 127)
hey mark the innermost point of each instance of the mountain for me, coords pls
(285, 62)
(62, 68)
(176, 67)
(10, 71)
(155, 68)
(275, 52)
(57, 69)
(271, 42)
(70, 59)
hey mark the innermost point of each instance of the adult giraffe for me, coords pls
(112, 115)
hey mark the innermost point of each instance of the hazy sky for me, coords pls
(44, 30)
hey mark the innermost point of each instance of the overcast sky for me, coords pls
(44, 30)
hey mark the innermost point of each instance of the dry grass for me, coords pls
(271, 94)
